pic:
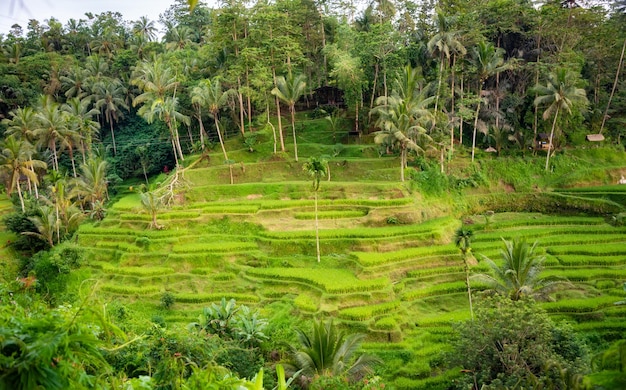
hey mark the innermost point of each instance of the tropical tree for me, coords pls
(444, 43)
(51, 127)
(560, 94)
(316, 169)
(403, 114)
(518, 275)
(80, 120)
(22, 123)
(16, 160)
(167, 111)
(145, 28)
(289, 90)
(463, 241)
(152, 203)
(92, 185)
(110, 99)
(488, 60)
(327, 351)
(209, 93)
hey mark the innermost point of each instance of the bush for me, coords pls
(167, 300)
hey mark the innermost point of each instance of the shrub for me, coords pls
(167, 300)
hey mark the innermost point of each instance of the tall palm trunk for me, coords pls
(608, 104)
(219, 135)
(317, 231)
(476, 122)
(113, 137)
(71, 150)
(467, 283)
(551, 137)
(19, 193)
(242, 126)
(293, 128)
(439, 82)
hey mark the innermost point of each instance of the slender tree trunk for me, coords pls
(439, 83)
(317, 231)
(619, 66)
(219, 135)
(467, 283)
(241, 110)
(293, 128)
(551, 137)
(175, 152)
(452, 108)
(19, 192)
(536, 117)
(476, 122)
(249, 103)
(402, 162)
(199, 117)
(32, 169)
(267, 107)
(82, 150)
(55, 160)
(113, 137)
(374, 87)
(461, 118)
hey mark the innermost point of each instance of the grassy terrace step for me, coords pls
(434, 228)
(582, 260)
(132, 271)
(441, 289)
(130, 290)
(125, 232)
(369, 259)
(607, 249)
(331, 214)
(335, 281)
(214, 297)
(548, 221)
(221, 246)
(585, 274)
(362, 313)
(585, 305)
(251, 206)
(618, 188)
(596, 231)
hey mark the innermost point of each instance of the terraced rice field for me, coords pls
(402, 284)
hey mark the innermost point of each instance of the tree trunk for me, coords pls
(619, 65)
(71, 150)
(461, 121)
(551, 136)
(439, 83)
(452, 108)
(19, 192)
(374, 87)
(267, 103)
(293, 128)
(476, 122)
(467, 283)
(55, 160)
(317, 231)
(240, 98)
(219, 135)
(402, 162)
(113, 137)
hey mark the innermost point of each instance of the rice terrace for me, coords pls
(293, 195)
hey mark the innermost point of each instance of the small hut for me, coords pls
(543, 142)
(595, 137)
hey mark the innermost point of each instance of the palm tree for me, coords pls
(22, 123)
(444, 43)
(559, 94)
(488, 60)
(209, 93)
(518, 276)
(110, 99)
(289, 90)
(16, 161)
(152, 203)
(145, 28)
(92, 185)
(80, 118)
(75, 82)
(178, 37)
(51, 127)
(401, 115)
(463, 241)
(330, 352)
(167, 111)
(316, 168)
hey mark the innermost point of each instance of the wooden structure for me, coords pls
(595, 137)
(543, 142)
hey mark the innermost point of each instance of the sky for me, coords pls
(20, 11)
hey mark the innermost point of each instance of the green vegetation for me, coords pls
(161, 231)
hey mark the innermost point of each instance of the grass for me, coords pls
(336, 281)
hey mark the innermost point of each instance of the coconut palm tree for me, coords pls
(330, 352)
(80, 119)
(289, 90)
(167, 111)
(488, 60)
(444, 44)
(145, 28)
(152, 203)
(51, 126)
(16, 161)
(110, 99)
(22, 123)
(403, 114)
(209, 93)
(560, 94)
(316, 168)
(463, 241)
(518, 275)
(92, 185)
